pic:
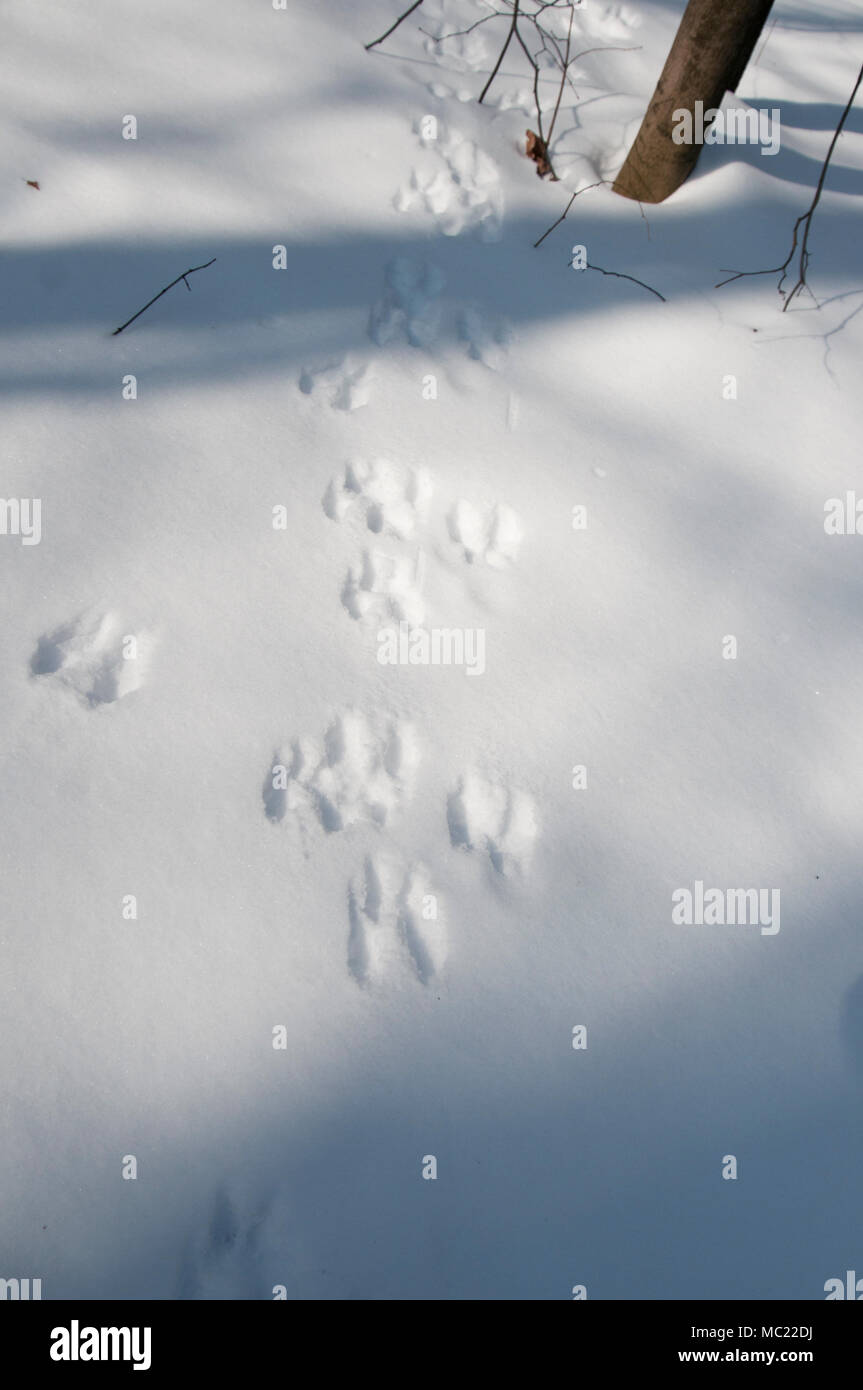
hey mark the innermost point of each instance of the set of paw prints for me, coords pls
(390, 501)
(455, 181)
(409, 310)
(95, 657)
(363, 771)
(459, 186)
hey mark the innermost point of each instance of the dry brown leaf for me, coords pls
(537, 150)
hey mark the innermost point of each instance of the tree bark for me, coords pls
(708, 57)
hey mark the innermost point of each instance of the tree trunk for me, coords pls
(710, 51)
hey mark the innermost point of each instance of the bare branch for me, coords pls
(618, 274)
(500, 57)
(535, 65)
(558, 56)
(804, 218)
(161, 292)
(395, 26)
(564, 70)
(804, 251)
(566, 209)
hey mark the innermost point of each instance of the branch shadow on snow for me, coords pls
(242, 317)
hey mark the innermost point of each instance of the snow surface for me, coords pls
(298, 899)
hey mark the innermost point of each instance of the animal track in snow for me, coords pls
(410, 307)
(410, 304)
(615, 21)
(394, 919)
(362, 772)
(493, 535)
(462, 189)
(384, 586)
(392, 497)
(458, 52)
(495, 817)
(227, 1260)
(94, 657)
(462, 94)
(343, 385)
(487, 339)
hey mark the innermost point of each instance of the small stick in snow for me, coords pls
(161, 292)
(395, 26)
(549, 230)
(619, 274)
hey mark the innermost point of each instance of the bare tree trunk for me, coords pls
(710, 51)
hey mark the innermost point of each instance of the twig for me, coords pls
(566, 209)
(619, 275)
(803, 264)
(500, 57)
(161, 292)
(563, 75)
(537, 143)
(804, 252)
(395, 26)
(535, 65)
(780, 270)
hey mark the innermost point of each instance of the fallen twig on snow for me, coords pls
(562, 217)
(619, 275)
(161, 292)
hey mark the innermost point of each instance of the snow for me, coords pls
(391, 862)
